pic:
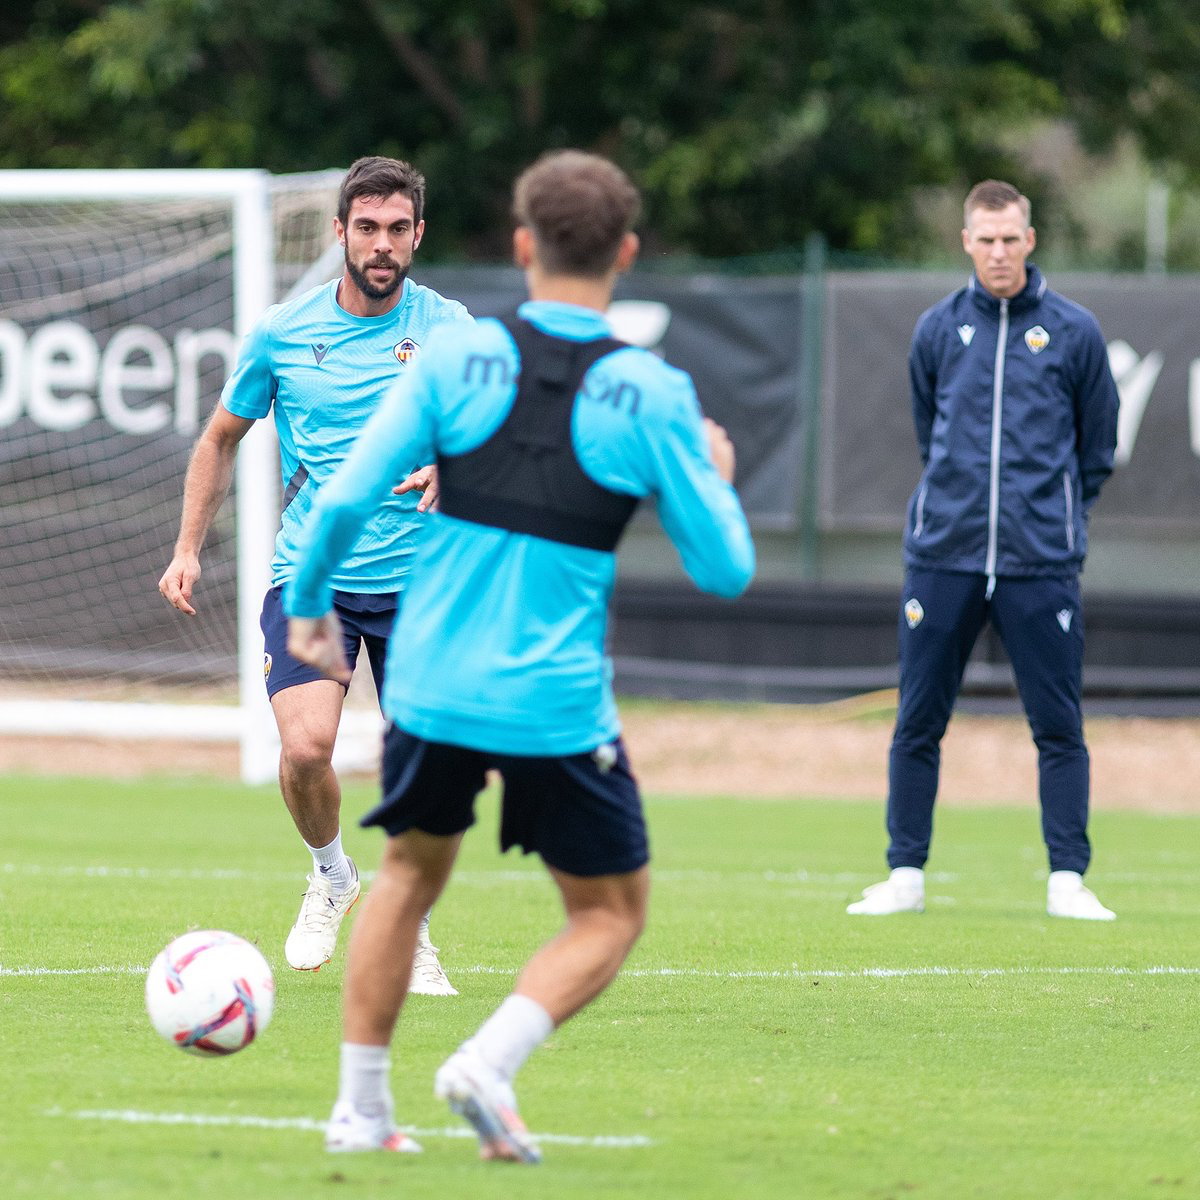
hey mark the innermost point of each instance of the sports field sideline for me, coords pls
(759, 1043)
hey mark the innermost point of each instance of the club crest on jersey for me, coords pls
(405, 351)
(266, 666)
(605, 757)
(914, 614)
(1037, 339)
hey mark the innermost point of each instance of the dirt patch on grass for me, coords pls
(1149, 765)
(835, 751)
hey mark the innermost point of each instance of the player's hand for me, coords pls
(425, 480)
(178, 580)
(318, 642)
(720, 449)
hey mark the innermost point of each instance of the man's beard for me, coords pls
(371, 290)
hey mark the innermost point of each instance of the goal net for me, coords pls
(123, 299)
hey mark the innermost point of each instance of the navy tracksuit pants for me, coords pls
(1040, 622)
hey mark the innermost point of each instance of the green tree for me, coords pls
(749, 123)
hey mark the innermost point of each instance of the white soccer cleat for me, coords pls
(480, 1095)
(1067, 897)
(310, 944)
(902, 891)
(349, 1131)
(428, 978)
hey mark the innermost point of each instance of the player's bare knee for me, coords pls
(635, 922)
(619, 923)
(417, 865)
(306, 755)
(414, 888)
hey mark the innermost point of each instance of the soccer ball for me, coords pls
(210, 993)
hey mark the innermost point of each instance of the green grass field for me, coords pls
(759, 1044)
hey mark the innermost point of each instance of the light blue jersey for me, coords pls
(324, 371)
(503, 633)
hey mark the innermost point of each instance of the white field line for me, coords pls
(871, 972)
(486, 877)
(102, 871)
(699, 973)
(309, 1125)
(129, 969)
(107, 872)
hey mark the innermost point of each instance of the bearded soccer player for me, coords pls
(322, 363)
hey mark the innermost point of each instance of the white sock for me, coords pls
(363, 1079)
(511, 1034)
(423, 930)
(908, 877)
(330, 863)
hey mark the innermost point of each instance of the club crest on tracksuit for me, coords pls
(266, 666)
(913, 612)
(1037, 339)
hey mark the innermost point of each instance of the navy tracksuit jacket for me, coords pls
(1016, 415)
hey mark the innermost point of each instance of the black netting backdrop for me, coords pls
(116, 324)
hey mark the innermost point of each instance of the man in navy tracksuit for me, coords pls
(1016, 418)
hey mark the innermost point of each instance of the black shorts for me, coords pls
(366, 618)
(581, 812)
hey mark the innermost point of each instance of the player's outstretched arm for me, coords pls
(318, 642)
(205, 486)
(425, 480)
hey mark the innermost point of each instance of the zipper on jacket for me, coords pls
(1070, 511)
(919, 524)
(989, 567)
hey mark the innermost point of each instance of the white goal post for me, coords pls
(123, 297)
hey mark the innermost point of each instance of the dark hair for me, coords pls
(579, 207)
(994, 195)
(382, 177)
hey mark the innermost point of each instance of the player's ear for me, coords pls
(523, 246)
(1031, 239)
(627, 252)
(339, 231)
(418, 233)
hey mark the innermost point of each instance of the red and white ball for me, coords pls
(210, 993)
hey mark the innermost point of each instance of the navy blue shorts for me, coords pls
(581, 812)
(366, 618)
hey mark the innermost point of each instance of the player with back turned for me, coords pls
(547, 433)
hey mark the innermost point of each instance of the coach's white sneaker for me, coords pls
(310, 944)
(902, 891)
(349, 1130)
(1067, 897)
(482, 1096)
(428, 978)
